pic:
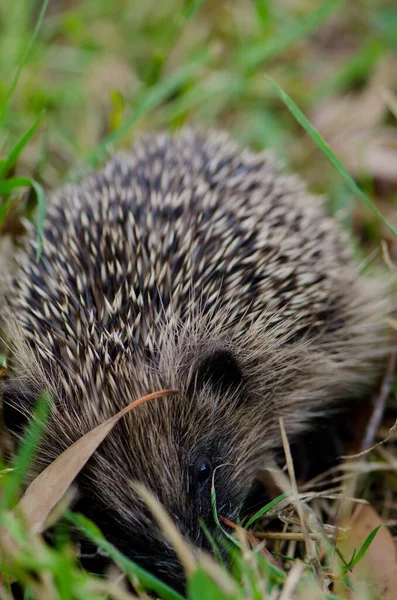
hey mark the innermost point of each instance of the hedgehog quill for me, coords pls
(187, 263)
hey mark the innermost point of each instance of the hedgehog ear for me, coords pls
(18, 403)
(220, 368)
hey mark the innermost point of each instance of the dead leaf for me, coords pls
(376, 572)
(354, 126)
(48, 488)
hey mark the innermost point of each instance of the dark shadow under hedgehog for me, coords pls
(187, 263)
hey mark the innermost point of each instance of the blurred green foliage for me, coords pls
(95, 63)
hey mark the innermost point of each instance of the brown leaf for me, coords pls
(44, 493)
(376, 572)
(354, 126)
(49, 487)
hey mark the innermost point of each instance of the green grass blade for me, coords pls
(264, 510)
(216, 517)
(212, 542)
(326, 149)
(26, 452)
(91, 532)
(10, 185)
(19, 146)
(41, 209)
(263, 11)
(14, 183)
(366, 544)
(6, 102)
(216, 92)
(259, 52)
(277, 574)
(149, 100)
(339, 553)
(191, 9)
(201, 586)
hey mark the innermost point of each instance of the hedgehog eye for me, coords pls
(204, 472)
(201, 472)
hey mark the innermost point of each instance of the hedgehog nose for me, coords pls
(175, 577)
(166, 567)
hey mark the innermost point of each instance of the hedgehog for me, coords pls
(189, 264)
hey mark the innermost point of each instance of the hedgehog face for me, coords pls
(130, 526)
(178, 447)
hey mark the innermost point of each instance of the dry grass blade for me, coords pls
(387, 258)
(112, 590)
(4, 595)
(181, 548)
(184, 552)
(361, 466)
(219, 575)
(310, 548)
(292, 580)
(295, 536)
(379, 404)
(377, 410)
